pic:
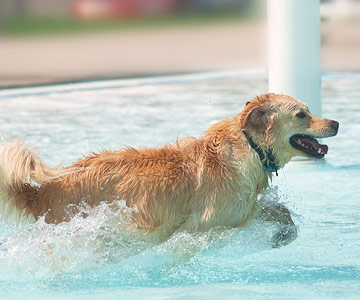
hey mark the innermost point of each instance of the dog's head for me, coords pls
(286, 126)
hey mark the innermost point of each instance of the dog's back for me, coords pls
(188, 184)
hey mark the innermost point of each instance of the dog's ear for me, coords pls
(259, 120)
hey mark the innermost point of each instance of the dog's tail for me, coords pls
(21, 174)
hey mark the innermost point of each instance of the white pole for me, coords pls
(294, 50)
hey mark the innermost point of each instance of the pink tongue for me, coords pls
(314, 143)
(324, 148)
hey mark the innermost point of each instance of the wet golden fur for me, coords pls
(193, 184)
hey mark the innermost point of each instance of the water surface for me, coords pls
(96, 258)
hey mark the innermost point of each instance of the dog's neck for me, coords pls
(267, 158)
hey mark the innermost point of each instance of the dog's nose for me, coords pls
(335, 125)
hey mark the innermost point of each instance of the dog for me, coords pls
(192, 184)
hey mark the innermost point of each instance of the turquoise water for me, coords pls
(96, 258)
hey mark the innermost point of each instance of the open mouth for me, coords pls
(308, 145)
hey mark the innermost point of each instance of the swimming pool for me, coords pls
(96, 258)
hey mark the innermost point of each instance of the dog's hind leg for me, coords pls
(281, 215)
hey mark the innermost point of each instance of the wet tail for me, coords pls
(21, 174)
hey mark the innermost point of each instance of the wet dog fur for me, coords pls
(193, 184)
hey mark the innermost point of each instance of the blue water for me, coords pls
(97, 258)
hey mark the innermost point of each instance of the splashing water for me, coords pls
(106, 235)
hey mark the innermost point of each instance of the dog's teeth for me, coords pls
(319, 151)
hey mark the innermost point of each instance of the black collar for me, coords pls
(267, 158)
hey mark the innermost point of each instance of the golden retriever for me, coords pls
(193, 184)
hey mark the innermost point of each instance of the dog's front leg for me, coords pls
(281, 215)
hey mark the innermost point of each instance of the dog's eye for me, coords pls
(301, 115)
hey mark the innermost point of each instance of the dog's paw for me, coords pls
(286, 235)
